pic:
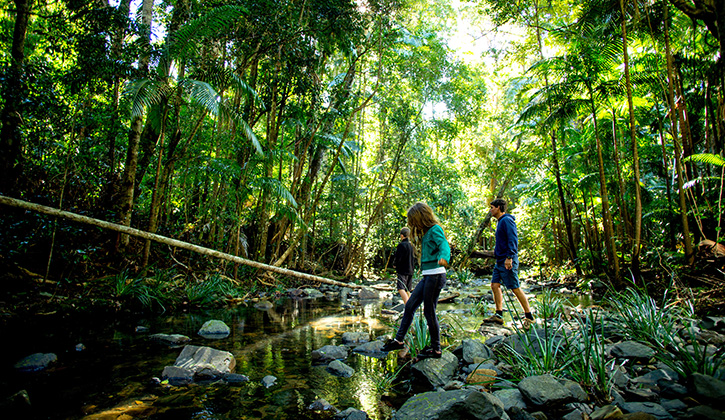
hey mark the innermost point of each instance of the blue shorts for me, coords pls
(509, 278)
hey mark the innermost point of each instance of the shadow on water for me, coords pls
(113, 375)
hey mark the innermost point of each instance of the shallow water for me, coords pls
(113, 375)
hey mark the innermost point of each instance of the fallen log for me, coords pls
(12, 202)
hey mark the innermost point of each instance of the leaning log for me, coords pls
(12, 202)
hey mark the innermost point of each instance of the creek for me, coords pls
(113, 372)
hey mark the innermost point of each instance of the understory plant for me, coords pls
(548, 304)
(589, 365)
(538, 350)
(418, 335)
(668, 328)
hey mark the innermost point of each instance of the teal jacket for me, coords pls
(434, 247)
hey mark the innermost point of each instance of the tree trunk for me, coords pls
(564, 206)
(636, 243)
(12, 94)
(164, 240)
(689, 254)
(129, 173)
(609, 244)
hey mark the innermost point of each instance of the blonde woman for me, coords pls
(435, 255)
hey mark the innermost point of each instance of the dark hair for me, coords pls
(405, 232)
(500, 203)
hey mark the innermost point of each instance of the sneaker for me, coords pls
(392, 345)
(495, 319)
(527, 323)
(429, 353)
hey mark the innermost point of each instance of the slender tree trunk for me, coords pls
(564, 206)
(636, 243)
(12, 93)
(129, 173)
(609, 244)
(689, 254)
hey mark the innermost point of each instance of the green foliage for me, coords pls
(586, 350)
(549, 304)
(637, 316)
(418, 335)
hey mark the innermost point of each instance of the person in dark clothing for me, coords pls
(403, 263)
(506, 270)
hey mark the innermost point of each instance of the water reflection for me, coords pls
(112, 376)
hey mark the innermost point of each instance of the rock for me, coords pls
(544, 391)
(653, 409)
(608, 412)
(177, 376)
(372, 349)
(214, 329)
(711, 337)
(269, 381)
(516, 413)
(528, 343)
(495, 341)
(618, 375)
(235, 378)
(206, 362)
(355, 337)
(510, 397)
(35, 362)
(462, 404)
(170, 339)
(674, 390)
(351, 414)
(673, 405)
(322, 405)
(702, 412)
(475, 349)
(17, 406)
(326, 354)
(432, 373)
(313, 293)
(451, 385)
(338, 368)
(632, 350)
(141, 329)
(483, 377)
(264, 305)
(716, 323)
(368, 293)
(657, 377)
(80, 347)
(638, 416)
(707, 387)
(576, 390)
(641, 394)
(574, 415)
(488, 330)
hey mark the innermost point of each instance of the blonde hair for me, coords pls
(421, 217)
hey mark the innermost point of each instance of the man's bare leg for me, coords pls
(523, 300)
(405, 295)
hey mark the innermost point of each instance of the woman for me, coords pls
(435, 255)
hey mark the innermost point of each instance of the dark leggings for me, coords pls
(426, 292)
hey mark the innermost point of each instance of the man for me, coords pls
(506, 270)
(403, 263)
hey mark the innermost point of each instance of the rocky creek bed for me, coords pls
(328, 364)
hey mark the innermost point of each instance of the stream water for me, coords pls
(113, 374)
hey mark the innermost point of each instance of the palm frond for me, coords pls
(708, 158)
(274, 187)
(143, 93)
(219, 20)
